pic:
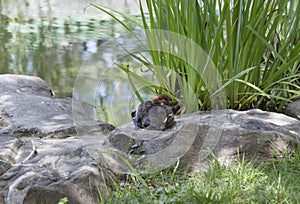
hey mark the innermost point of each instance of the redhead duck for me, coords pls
(162, 99)
(165, 99)
(157, 114)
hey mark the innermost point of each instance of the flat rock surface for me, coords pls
(28, 109)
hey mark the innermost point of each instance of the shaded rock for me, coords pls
(59, 168)
(227, 134)
(22, 84)
(9, 147)
(293, 109)
(41, 156)
(27, 108)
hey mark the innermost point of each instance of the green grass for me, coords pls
(245, 182)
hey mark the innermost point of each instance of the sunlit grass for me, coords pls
(244, 182)
(254, 45)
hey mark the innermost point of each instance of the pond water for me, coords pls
(61, 40)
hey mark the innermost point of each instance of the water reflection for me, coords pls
(43, 38)
(49, 48)
(103, 83)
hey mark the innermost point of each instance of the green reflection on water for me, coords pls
(56, 48)
(51, 48)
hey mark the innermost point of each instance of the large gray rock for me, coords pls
(228, 134)
(22, 84)
(41, 157)
(45, 170)
(28, 109)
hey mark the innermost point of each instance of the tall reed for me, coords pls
(255, 46)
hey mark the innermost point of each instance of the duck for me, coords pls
(162, 99)
(165, 99)
(157, 114)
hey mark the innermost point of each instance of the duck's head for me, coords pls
(162, 99)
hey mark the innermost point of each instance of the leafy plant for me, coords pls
(64, 200)
(254, 45)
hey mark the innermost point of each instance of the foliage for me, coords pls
(254, 45)
(64, 200)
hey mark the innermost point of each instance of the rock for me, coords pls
(42, 159)
(228, 134)
(59, 168)
(22, 84)
(293, 109)
(28, 109)
(9, 146)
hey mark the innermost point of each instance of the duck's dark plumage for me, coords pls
(153, 115)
